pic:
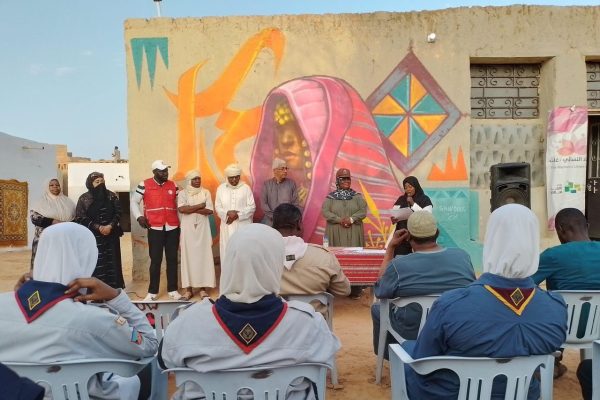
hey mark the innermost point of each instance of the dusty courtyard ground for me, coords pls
(352, 324)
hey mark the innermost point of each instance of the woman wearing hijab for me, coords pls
(502, 314)
(417, 200)
(249, 325)
(344, 209)
(47, 320)
(197, 265)
(234, 204)
(54, 207)
(99, 210)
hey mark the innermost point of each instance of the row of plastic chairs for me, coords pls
(583, 310)
(68, 380)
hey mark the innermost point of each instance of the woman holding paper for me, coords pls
(414, 199)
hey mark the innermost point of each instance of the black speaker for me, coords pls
(510, 183)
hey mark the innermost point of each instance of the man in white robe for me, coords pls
(234, 204)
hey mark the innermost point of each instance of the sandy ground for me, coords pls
(352, 324)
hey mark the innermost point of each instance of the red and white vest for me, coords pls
(160, 203)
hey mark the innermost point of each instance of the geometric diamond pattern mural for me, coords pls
(412, 113)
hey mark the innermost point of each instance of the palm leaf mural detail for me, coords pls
(382, 227)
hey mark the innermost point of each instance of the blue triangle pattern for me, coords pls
(387, 124)
(428, 105)
(401, 92)
(416, 138)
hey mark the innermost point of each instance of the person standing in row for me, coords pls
(197, 264)
(417, 200)
(234, 205)
(344, 209)
(99, 210)
(160, 218)
(278, 190)
(52, 208)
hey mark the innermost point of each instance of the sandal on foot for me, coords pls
(187, 295)
(203, 294)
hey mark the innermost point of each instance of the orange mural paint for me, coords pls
(235, 125)
(451, 172)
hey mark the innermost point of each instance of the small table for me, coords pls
(361, 266)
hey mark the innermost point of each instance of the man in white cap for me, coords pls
(234, 204)
(159, 195)
(429, 269)
(277, 190)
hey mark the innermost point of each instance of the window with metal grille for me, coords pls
(593, 84)
(508, 91)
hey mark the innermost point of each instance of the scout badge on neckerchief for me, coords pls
(249, 324)
(515, 299)
(36, 297)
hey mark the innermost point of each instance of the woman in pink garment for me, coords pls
(319, 124)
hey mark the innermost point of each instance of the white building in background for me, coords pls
(27, 161)
(116, 176)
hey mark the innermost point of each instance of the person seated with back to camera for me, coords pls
(249, 325)
(430, 269)
(46, 319)
(501, 315)
(309, 268)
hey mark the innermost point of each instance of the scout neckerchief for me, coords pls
(516, 299)
(249, 324)
(36, 297)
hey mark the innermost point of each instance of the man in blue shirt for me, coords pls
(429, 269)
(575, 263)
(572, 265)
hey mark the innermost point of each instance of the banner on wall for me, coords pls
(566, 160)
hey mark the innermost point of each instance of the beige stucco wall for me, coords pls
(362, 49)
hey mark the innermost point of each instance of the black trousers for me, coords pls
(157, 241)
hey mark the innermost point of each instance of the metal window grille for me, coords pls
(593, 84)
(508, 91)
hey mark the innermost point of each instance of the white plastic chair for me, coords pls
(575, 300)
(68, 379)
(162, 314)
(327, 300)
(266, 382)
(476, 374)
(385, 326)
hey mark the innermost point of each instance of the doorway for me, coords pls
(592, 193)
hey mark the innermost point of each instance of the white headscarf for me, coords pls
(512, 242)
(253, 264)
(58, 207)
(233, 170)
(65, 252)
(189, 188)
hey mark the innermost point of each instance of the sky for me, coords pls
(62, 62)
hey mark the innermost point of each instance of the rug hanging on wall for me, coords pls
(13, 213)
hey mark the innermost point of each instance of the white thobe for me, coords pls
(239, 199)
(197, 265)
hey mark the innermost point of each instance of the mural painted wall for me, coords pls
(366, 92)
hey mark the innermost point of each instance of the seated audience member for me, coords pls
(572, 265)
(47, 320)
(16, 388)
(430, 269)
(249, 325)
(575, 263)
(502, 314)
(309, 268)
